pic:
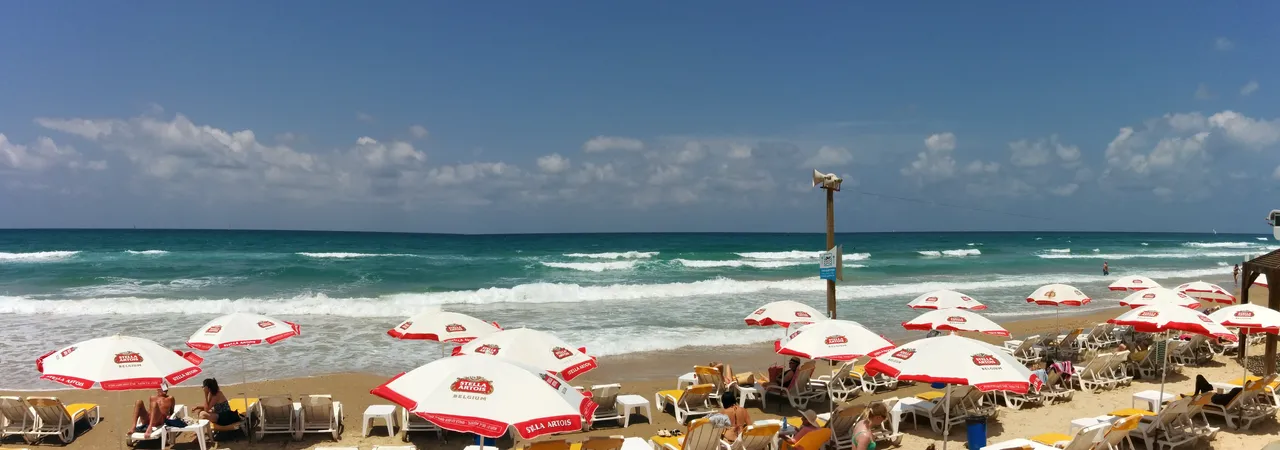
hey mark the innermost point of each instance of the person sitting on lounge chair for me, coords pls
(161, 408)
(809, 424)
(738, 417)
(216, 408)
(784, 378)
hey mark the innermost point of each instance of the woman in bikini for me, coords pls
(216, 408)
(863, 434)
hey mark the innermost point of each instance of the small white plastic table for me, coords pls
(635, 443)
(1086, 422)
(686, 380)
(385, 412)
(628, 404)
(752, 392)
(1152, 399)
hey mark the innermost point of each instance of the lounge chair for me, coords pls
(1161, 428)
(56, 419)
(1054, 389)
(802, 388)
(1196, 408)
(386, 447)
(871, 383)
(601, 443)
(702, 435)
(841, 386)
(934, 410)
(1093, 375)
(1117, 369)
(16, 418)
(320, 414)
(1083, 440)
(414, 423)
(275, 415)
(1193, 352)
(167, 434)
(1026, 351)
(710, 375)
(689, 402)
(1068, 346)
(757, 437)
(814, 440)
(841, 424)
(1101, 336)
(1246, 407)
(606, 398)
(554, 444)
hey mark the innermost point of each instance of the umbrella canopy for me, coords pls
(1134, 283)
(955, 320)
(118, 363)
(534, 348)
(955, 359)
(1261, 280)
(1155, 296)
(1208, 292)
(1163, 317)
(835, 340)
(784, 313)
(1058, 295)
(485, 396)
(444, 326)
(1251, 318)
(944, 299)
(240, 330)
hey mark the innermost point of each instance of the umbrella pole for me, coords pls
(1164, 370)
(946, 426)
(1244, 360)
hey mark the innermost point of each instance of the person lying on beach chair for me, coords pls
(161, 408)
(1203, 385)
(784, 378)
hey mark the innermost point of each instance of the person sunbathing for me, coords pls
(784, 378)
(216, 408)
(738, 417)
(1203, 385)
(161, 408)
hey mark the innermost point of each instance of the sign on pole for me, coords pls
(831, 264)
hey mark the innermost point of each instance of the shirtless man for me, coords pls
(161, 408)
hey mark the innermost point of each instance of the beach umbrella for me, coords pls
(242, 330)
(118, 363)
(954, 319)
(953, 359)
(1156, 296)
(1250, 319)
(443, 326)
(1207, 292)
(832, 340)
(1058, 295)
(783, 313)
(1261, 280)
(534, 348)
(944, 299)
(1167, 317)
(486, 396)
(1134, 283)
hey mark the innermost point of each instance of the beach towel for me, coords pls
(720, 420)
(1065, 368)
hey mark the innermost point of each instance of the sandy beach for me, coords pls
(646, 373)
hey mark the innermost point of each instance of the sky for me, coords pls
(501, 117)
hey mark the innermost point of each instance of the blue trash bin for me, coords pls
(486, 441)
(976, 427)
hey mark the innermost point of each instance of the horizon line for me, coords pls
(250, 230)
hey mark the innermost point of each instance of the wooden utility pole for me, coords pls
(831, 243)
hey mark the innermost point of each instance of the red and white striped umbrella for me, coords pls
(1261, 280)
(242, 330)
(1161, 317)
(944, 299)
(534, 348)
(444, 326)
(1155, 296)
(1058, 295)
(834, 340)
(1208, 292)
(486, 396)
(954, 319)
(1249, 318)
(1134, 283)
(955, 359)
(118, 363)
(784, 313)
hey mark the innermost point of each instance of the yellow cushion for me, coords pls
(1051, 438)
(1131, 412)
(221, 428)
(661, 442)
(673, 394)
(238, 404)
(77, 411)
(931, 395)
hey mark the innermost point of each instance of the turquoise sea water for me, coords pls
(613, 293)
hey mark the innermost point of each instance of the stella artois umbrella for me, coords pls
(1164, 317)
(832, 340)
(118, 363)
(1058, 295)
(1154, 296)
(1250, 319)
(1261, 280)
(486, 396)
(784, 313)
(1133, 283)
(443, 326)
(955, 319)
(944, 299)
(1207, 292)
(953, 359)
(534, 348)
(242, 330)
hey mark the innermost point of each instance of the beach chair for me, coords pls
(243, 406)
(1246, 407)
(275, 415)
(841, 386)
(1196, 408)
(1117, 435)
(1117, 369)
(871, 383)
(1092, 376)
(814, 440)
(702, 435)
(712, 376)
(167, 435)
(686, 403)
(555, 444)
(757, 437)
(414, 423)
(605, 397)
(53, 418)
(1162, 428)
(1085, 439)
(320, 414)
(802, 388)
(1101, 336)
(1015, 401)
(841, 423)
(16, 418)
(1068, 346)
(1193, 352)
(1055, 389)
(1026, 351)
(933, 407)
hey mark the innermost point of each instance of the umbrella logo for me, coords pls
(406, 325)
(488, 349)
(957, 319)
(1205, 319)
(1079, 293)
(904, 354)
(965, 298)
(266, 324)
(454, 328)
(793, 334)
(72, 349)
(1051, 294)
(561, 352)
(1148, 295)
(555, 384)
(128, 359)
(1149, 313)
(758, 312)
(837, 340)
(1241, 314)
(1182, 294)
(985, 360)
(802, 314)
(1137, 281)
(213, 329)
(931, 300)
(472, 385)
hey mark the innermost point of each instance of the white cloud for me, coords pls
(1252, 133)
(418, 131)
(980, 167)
(608, 143)
(1065, 190)
(43, 155)
(739, 151)
(1032, 154)
(1223, 44)
(1203, 92)
(827, 156)
(1249, 88)
(692, 152)
(364, 117)
(935, 163)
(941, 142)
(553, 163)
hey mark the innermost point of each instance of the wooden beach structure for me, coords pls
(1268, 265)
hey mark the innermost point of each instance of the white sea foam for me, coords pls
(1059, 250)
(118, 287)
(592, 266)
(147, 252)
(37, 256)
(799, 254)
(740, 263)
(1261, 239)
(1144, 244)
(1166, 255)
(1097, 250)
(613, 255)
(1218, 244)
(344, 255)
(950, 253)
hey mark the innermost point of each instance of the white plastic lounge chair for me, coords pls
(870, 384)
(802, 388)
(1083, 440)
(16, 418)
(841, 386)
(841, 424)
(1025, 351)
(1055, 389)
(689, 402)
(710, 375)
(53, 418)
(275, 415)
(1117, 369)
(1194, 352)
(411, 423)
(1162, 428)
(133, 437)
(1101, 336)
(1092, 376)
(606, 398)
(935, 411)
(1246, 407)
(702, 435)
(1068, 346)
(757, 437)
(320, 414)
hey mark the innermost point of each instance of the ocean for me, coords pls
(612, 293)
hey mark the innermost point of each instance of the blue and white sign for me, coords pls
(827, 264)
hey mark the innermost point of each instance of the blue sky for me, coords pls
(640, 116)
